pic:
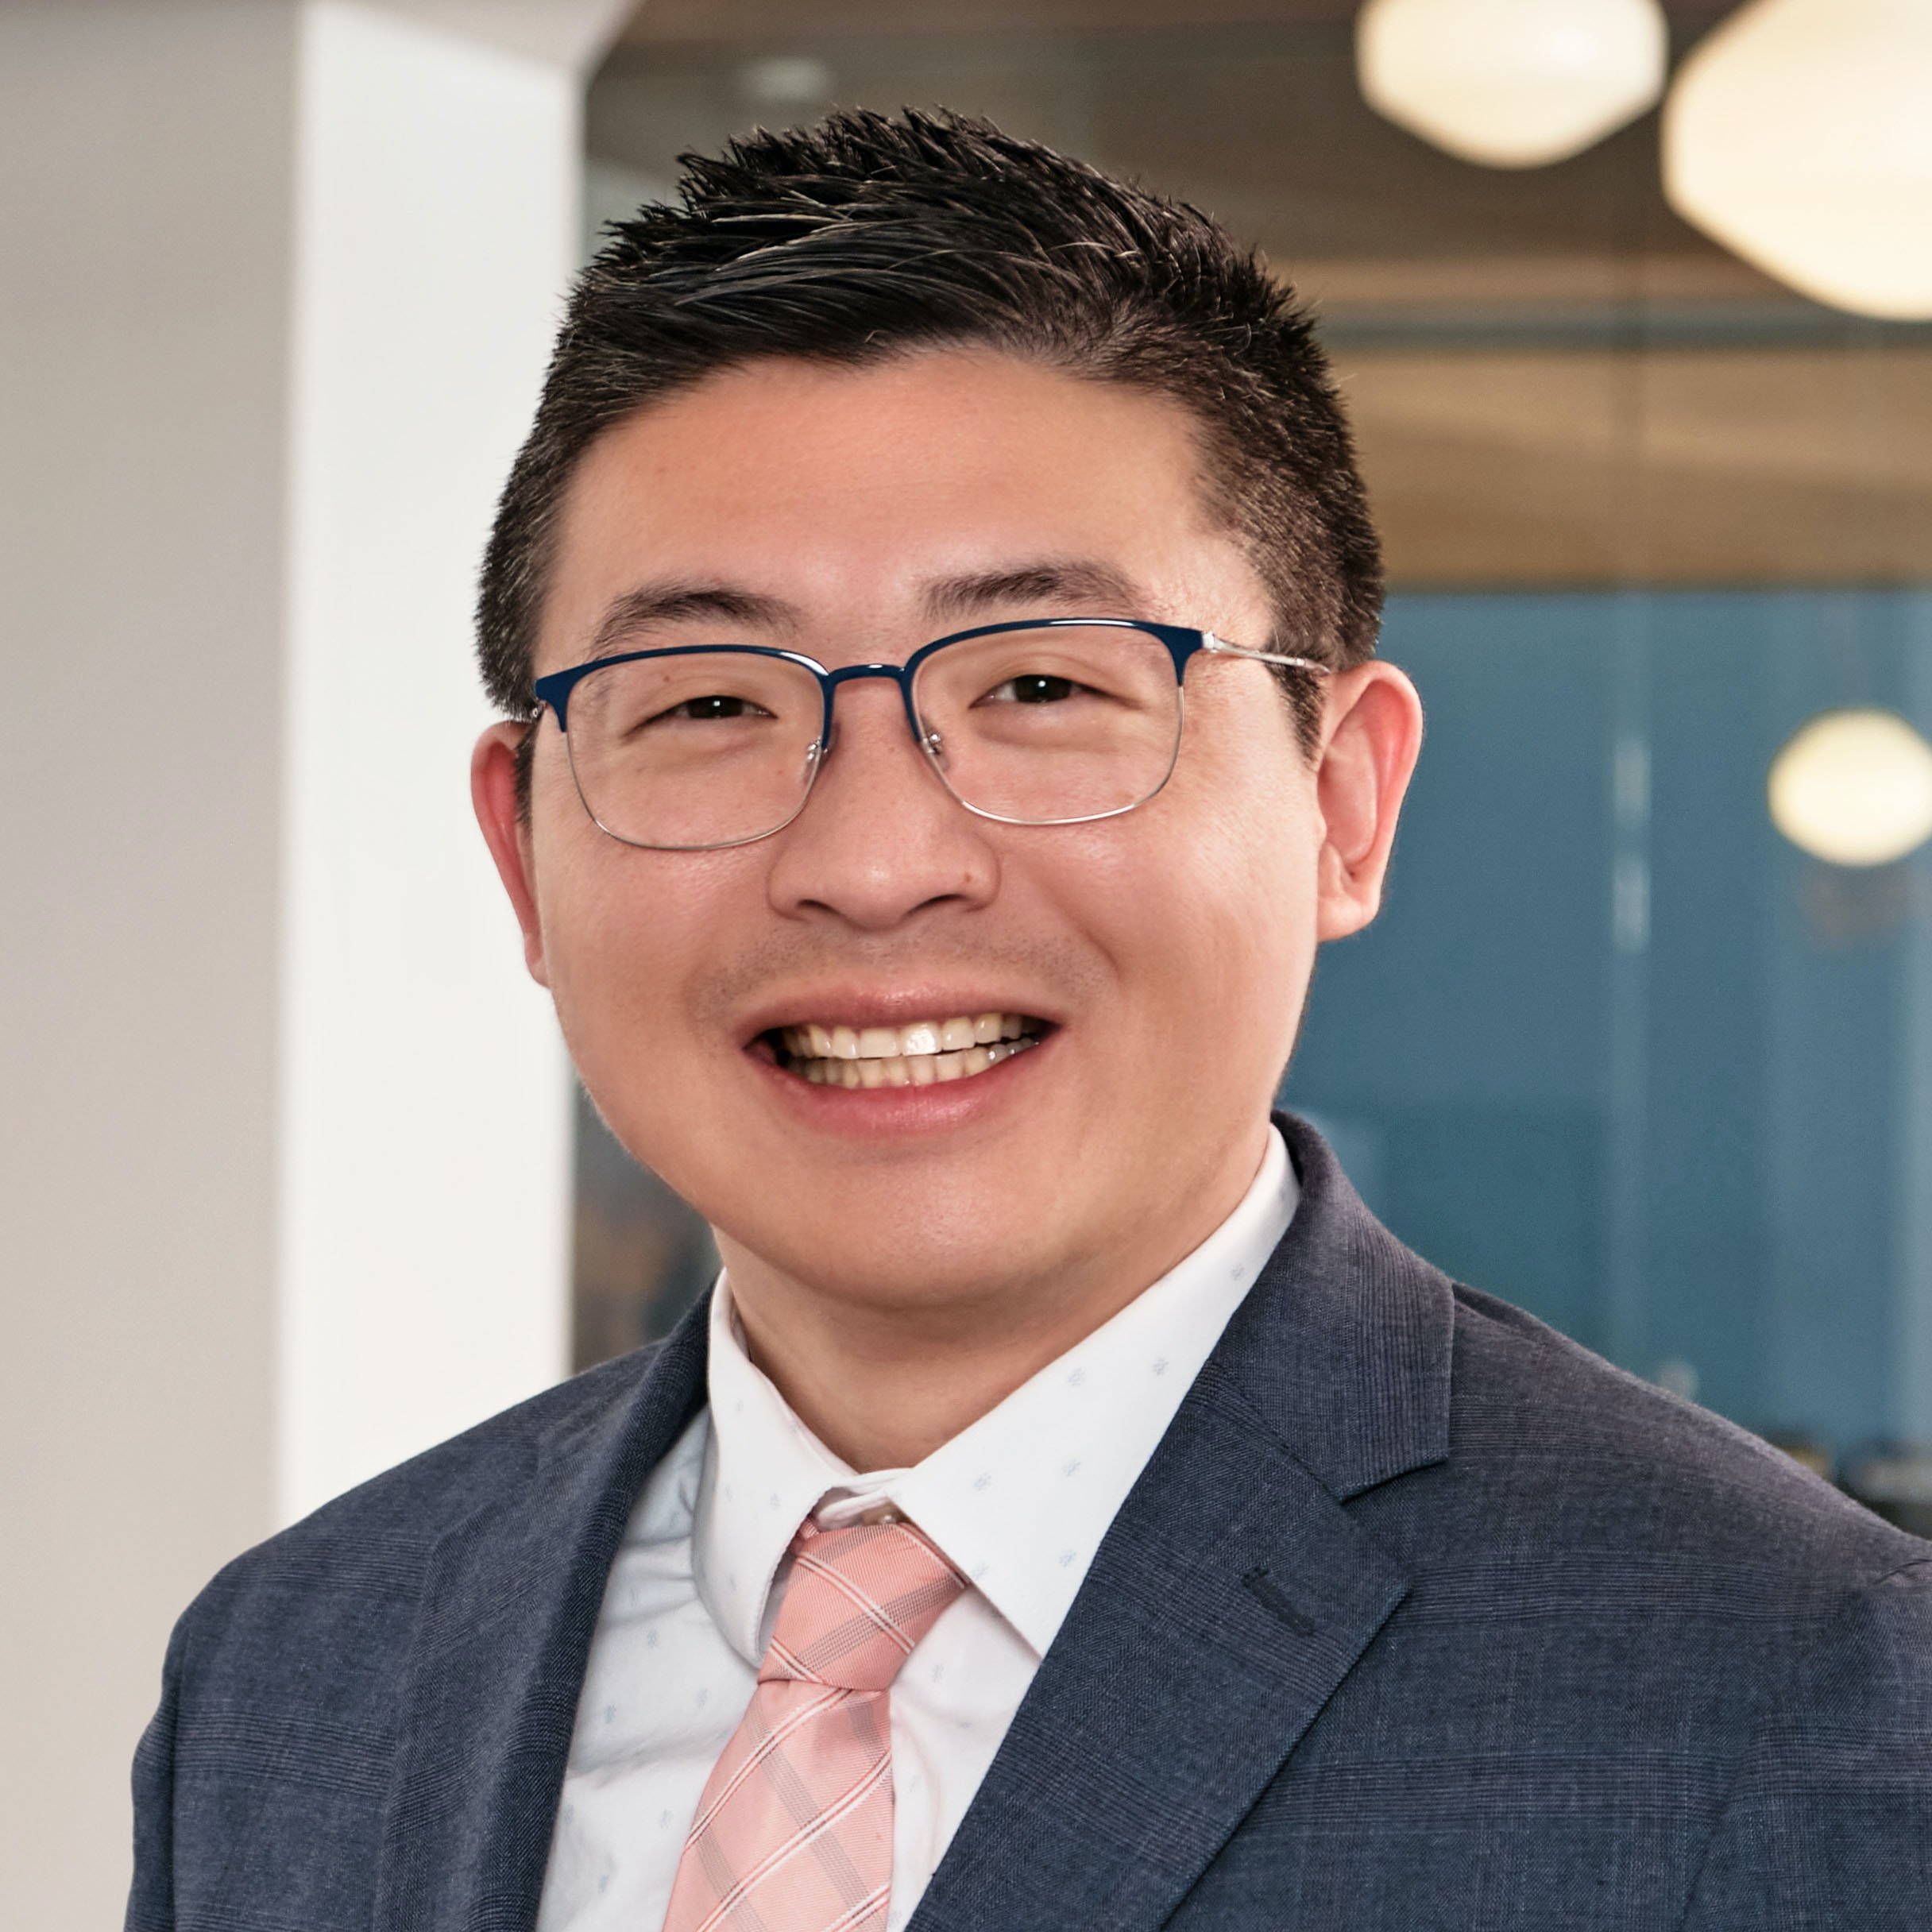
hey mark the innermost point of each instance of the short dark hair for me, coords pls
(869, 235)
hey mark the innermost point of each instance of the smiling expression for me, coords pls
(894, 1051)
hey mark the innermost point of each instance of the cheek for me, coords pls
(1249, 927)
(1243, 900)
(618, 940)
(1206, 910)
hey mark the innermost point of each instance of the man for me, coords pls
(1071, 1508)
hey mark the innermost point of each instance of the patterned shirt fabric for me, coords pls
(1018, 1503)
(793, 1833)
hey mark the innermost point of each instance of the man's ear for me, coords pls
(492, 791)
(1371, 732)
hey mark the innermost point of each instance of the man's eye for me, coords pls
(1033, 688)
(716, 705)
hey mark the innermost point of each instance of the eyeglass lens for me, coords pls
(1035, 727)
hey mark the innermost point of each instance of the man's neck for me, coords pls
(882, 1383)
(884, 1394)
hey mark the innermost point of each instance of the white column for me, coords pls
(284, 1127)
(420, 1237)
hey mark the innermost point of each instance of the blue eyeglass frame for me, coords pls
(1184, 644)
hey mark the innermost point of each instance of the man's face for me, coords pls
(1162, 956)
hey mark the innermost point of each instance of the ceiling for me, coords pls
(661, 21)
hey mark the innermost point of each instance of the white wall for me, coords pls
(283, 1158)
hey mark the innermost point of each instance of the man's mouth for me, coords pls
(919, 1055)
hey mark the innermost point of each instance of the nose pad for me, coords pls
(934, 747)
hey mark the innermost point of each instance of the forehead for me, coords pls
(847, 493)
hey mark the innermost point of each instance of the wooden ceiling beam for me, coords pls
(658, 22)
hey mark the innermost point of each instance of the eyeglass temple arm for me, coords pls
(1221, 647)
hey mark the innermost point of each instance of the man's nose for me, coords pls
(880, 838)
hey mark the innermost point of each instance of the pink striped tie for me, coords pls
(793, 1833)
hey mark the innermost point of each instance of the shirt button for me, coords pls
(882, 1512)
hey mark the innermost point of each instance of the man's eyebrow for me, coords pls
(1099, 589)
(626, 617)
(1102, 590)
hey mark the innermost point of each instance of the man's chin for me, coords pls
(977, 1236)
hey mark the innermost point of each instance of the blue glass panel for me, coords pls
(1615, 1050)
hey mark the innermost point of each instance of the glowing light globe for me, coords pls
(1799, 135)
(1511, 83)
(1854, 787)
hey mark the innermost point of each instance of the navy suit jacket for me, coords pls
(1420, 1617)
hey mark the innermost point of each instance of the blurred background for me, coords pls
(1633, 307)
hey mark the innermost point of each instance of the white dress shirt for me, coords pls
(1018, 1502)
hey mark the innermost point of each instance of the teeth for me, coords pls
(925, 1036)
(917, 1056)
(910, 1069)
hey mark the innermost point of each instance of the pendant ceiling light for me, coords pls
(1511, 83)
(1799, 134)
(1854, 787)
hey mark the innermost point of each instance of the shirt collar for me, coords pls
(1019, 1500)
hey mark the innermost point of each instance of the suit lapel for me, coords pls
(1233, 1594)
(489, 1697)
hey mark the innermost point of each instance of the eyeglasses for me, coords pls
(1047, 722)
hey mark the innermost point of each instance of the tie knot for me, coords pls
(857, 1601)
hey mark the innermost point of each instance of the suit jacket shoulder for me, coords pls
(376, 1537)
(1553, 1446)
(1748, 1612)
(304, 1684)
